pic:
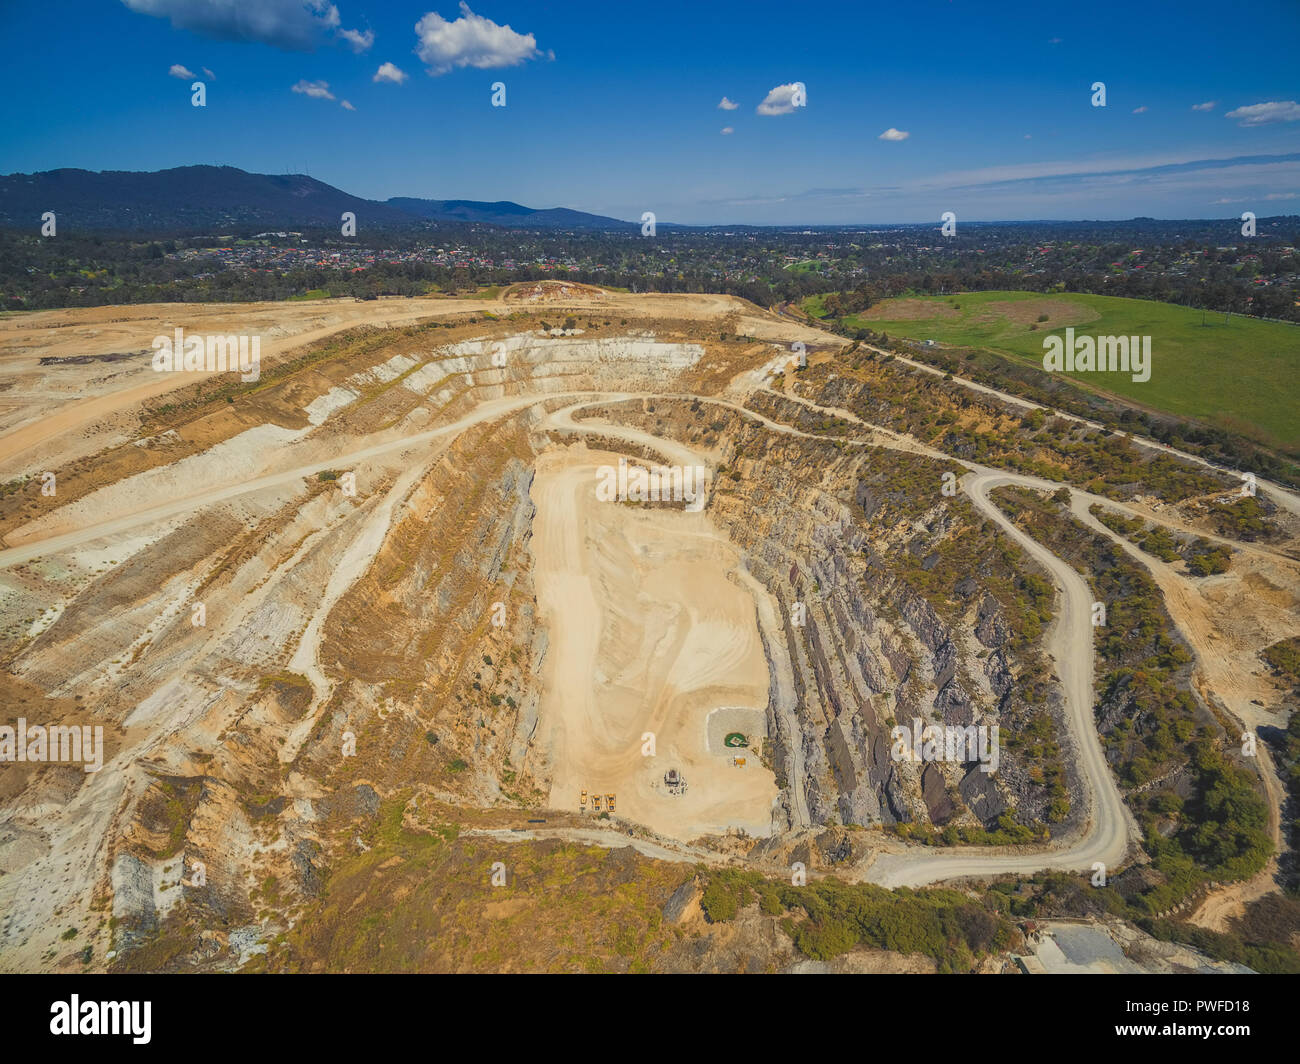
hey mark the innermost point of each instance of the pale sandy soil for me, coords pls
(652, 620)
(1222, 906)
(648, 633)
(1227, 619)
(69, 409)
(44, 403)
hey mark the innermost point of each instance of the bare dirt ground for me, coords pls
(64, 397)
(97, 589)
(85, 394)
(649, 633)
(1022, 312)
(647, 619)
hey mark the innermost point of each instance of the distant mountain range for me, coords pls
(203, 197)
(504, 213)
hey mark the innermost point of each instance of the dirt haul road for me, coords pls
(82, 374)
(1107, 831)
(1106, 836)
(1070, 643)
(100, 528)
(1109, 825)
(1230, 668)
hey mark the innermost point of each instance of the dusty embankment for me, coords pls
(409, 587)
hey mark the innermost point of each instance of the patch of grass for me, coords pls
(1283, 658)
(425, 902)
(1242, 375)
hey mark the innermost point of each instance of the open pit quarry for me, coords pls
(384, 579)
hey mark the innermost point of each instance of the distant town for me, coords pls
(1202, 264)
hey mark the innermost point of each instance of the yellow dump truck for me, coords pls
(610, 799)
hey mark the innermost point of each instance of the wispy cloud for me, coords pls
(1109, 166)
(361, 40)
(728, 130)
(317, 90)
(1036, 190)
(346, 106)
(1262, 114)
(894, 134)
(1208, 105)
(178, 71)
(727, 105)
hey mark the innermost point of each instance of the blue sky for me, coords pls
(613, 108)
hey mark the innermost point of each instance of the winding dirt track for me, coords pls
(1284, 497)
(1109, 826)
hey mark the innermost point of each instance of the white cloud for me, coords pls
(293, 25)
(1029, 136)
(472, 41)
(361, 40)
(211, 76)
(388, 72)
(347, 106)
(780, 101)
(1208, 105)
(894, 134)
(1281, 195)
(1140, 110)
(1055, 40)
(727, 105)
(1261, 114)
(728, 130)
(317, 90)
(178, 71)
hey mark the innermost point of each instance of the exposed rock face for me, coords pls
(358, 647)
(831, 533)
(133, 899)
(684, 904)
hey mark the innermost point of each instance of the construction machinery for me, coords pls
(582, 798)
(609, 799)
(595, 803)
